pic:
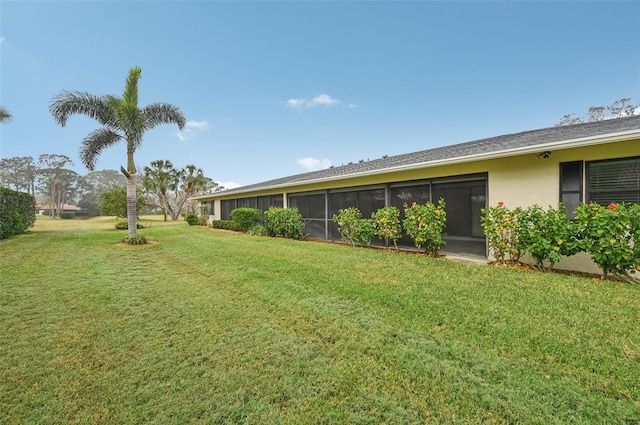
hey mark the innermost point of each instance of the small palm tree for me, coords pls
(5, 116)
(122, 120)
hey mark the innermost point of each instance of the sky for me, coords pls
(271, 89)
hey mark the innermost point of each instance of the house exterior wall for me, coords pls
(518, 181)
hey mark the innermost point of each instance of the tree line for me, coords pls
(49, 179)
(618, 109)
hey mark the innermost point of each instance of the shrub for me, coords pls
(425, 224)
(501, 227)
(245, 218)
(347, 220)
(547, 235)
(284, 222)
(193, 219)
(17, 212)
(224, 224)
(257, 230)
(123, 225)
(135, 239)
(67, 215)
(611, 235)
(386, 224)
(364, 232)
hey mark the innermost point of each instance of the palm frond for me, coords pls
(94, 143)
(163, 113)
(69, 103)
(5, 116)
(130, 96)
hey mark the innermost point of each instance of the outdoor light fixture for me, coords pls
(544, 155)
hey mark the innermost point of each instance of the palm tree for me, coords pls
(5, 116)
(122, 120)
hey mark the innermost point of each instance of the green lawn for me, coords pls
(210, 327)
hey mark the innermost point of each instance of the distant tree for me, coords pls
(54, 179)
(192, 180)
(122, 120)
(161, 179)
(98, 182)
(19, 172)
(173, 187)
(104, 180)
(5, 116)
(618, 109)
(114, 202)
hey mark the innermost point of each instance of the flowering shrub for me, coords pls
(546, 235)
(386, 224)
(501, 227)
(347, 221)
(425, 224)
(611, 235)
(284, 222)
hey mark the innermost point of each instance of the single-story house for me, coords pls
(595, 161)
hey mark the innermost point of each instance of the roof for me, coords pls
(559, 137)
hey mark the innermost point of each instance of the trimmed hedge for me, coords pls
(17, 212)
(224, 224)
(245, 218)
(68, 215)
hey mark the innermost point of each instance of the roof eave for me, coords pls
(535, 149)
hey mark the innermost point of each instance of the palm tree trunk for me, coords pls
(131, 205)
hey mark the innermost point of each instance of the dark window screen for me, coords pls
(571, 186)
(226, 206)
(312, 208)
(615, 180)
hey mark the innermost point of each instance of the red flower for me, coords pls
(612, 206)
(500, 203)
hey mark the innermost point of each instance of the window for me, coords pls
(571, 186)
(226, 206)
(268, 201)
(367, 201)
(312, 209)
(616, 180)
(250, 202)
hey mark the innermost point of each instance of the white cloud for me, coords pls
(190, 129)
(200, 125)
(313, 164)
(323, 99)
(2, 39)
(319, 100)
(229, 185)
(295, 103)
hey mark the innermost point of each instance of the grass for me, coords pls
(208, 327)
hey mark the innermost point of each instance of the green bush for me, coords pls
(347, 220)
(193, 219)
(611, 235)
(364, 231)
(17, 212)
(284, 222)
(123, 225)
(547, 235)
(135, 239)
(386, 223)
(501, 227)
(425, 224)
(224, 224)
(245, 218)
(258, 230)
(68, 215)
